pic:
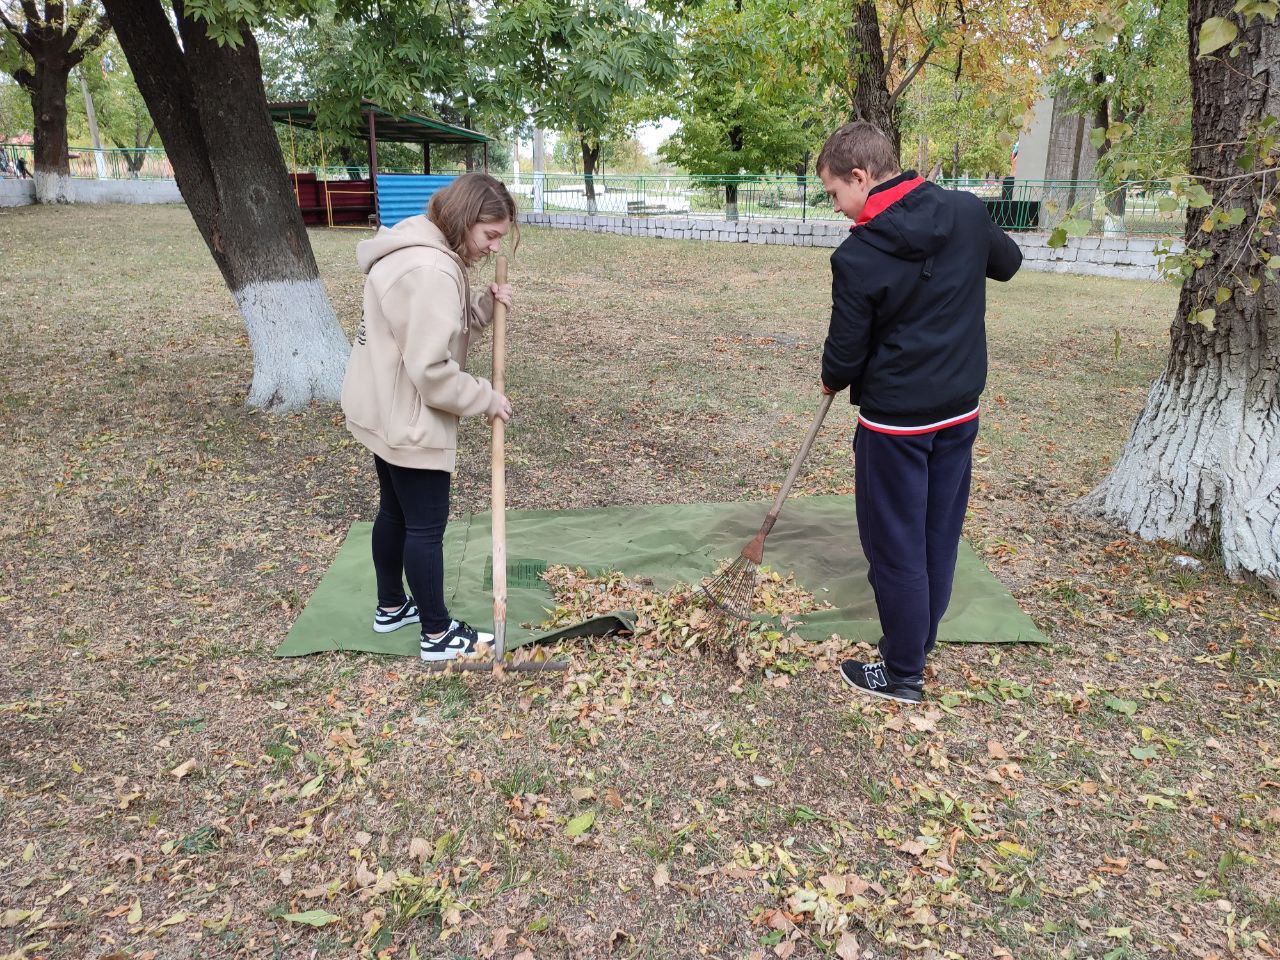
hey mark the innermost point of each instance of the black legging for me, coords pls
(408, 535)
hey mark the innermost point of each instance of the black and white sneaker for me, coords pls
(879, 681)
(460, 640)
(384, 622)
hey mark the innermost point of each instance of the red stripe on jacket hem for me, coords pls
(916, 431)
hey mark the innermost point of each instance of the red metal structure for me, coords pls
(354, 202)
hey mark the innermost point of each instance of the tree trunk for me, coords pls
(1114, 197)
(49, 110)
(1202, 466)
(590, 155)
(867, 70)
(55, 40)
(209, 107)
(736, 142)
(469, 151)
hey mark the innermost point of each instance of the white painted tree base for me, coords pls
(1202, 469)
(53, 187)
(299, 350)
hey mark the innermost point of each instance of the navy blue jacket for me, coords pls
(908, 305)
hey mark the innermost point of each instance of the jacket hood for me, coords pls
(912, 227)
(410, 232)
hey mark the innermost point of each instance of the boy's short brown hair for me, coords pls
(859, 145)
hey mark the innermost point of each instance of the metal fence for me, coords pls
(1043, 204)
(142, 163)
(1014, 204)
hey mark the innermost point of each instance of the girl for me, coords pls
(406, 387)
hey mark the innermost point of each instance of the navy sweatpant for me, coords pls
(911, 495)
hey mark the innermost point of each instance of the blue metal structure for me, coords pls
(402, 195)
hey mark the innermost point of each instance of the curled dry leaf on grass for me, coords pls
(679, 619)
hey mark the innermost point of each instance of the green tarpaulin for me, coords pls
(816, 538)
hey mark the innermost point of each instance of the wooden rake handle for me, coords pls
(754, 551)
(823, 406)
(499, 475)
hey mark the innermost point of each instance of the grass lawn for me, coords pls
(169, 790)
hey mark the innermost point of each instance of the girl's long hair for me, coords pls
(472, 198)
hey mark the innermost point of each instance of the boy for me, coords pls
(907, 337)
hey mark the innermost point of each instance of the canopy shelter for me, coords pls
(357, 198)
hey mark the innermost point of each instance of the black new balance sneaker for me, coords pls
(460, 640)
(877, 680)
(384, 622)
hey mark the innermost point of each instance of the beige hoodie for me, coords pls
(405, 386)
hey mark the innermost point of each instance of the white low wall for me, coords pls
(16, 193)
(1128, 258)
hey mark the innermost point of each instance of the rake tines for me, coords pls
(732, 591)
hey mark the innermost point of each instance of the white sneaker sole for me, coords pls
(481, 649)
(875, 693)
(393, 627)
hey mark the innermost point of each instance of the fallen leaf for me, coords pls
(1154, 864)
(833, 884)
(995, 751)
(362, 838)
(582, 793)
(613, 798)
(312, 918)
(364, 876)
(135, 913)
(419, 849)
(926, 722)
(912, 848)
(761, 782)
(1121, 705)
(11, 918)
(500, 937)
(661, 876)
(183, 769)
(847, 948)
(580, 824)
(616, 939)
(776, 919)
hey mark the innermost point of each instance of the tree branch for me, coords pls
(17, 34)
(81, 15)
(32, 12)
(26, 79)
(911, 75)
(891, 48)
(91, 42)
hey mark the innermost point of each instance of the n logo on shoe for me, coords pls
(875, 676)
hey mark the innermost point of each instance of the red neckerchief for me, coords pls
(877, 203)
